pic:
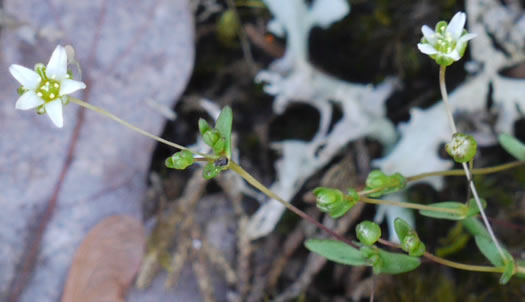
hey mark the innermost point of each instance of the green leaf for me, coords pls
(224, 126)
(336, 251)
(512, 145)
(203, 126)
(490, 251)
(396, 263)
(475, 227)
(444, 215)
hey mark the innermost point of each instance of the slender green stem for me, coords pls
(410, 205)
(473, 189)
(254, 182)
(461, 172)
(134, 128)
(443, 88)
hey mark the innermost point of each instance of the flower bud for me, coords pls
(368, 232)
(384, 183)
(408, 237)
(413, 245)
(462, 148)
(333, 202)
(180, 160)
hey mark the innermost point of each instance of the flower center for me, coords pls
(48, 90)
(445, 43)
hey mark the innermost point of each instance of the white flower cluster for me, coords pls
(47, 87)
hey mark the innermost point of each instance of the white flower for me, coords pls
(47, 87)
(448, 42)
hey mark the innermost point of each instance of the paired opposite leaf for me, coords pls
(513, 146)
(383, 262)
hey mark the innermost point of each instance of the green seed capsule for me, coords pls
(368, 232)
(462, 148)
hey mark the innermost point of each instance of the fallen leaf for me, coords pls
(106, 261)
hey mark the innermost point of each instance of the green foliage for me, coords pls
(396, 263)
(384, 184)
(383, 262)
(180, 160)
(489, 249)
(368, 232)
(336, 251)
(463, 211)
(512, 145)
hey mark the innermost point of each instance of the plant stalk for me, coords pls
(443, 88)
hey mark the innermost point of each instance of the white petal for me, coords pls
(25, 76)
(426, 49)
(466, 37)
(54, 111)
(57, 66)
(454, 55)
(28, 100)
(456, 25)
(429, 34)
(68, 86)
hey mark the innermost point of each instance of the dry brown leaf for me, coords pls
(106, 262)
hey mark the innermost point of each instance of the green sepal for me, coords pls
(203, 126)
(21, 90)
(464, 211)
(512, 145)
(368, 232)
(210, 171)
(180, 160)
(224, 126)
(336, 251)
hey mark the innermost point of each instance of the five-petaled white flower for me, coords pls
(448, 43)
(47, 87)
